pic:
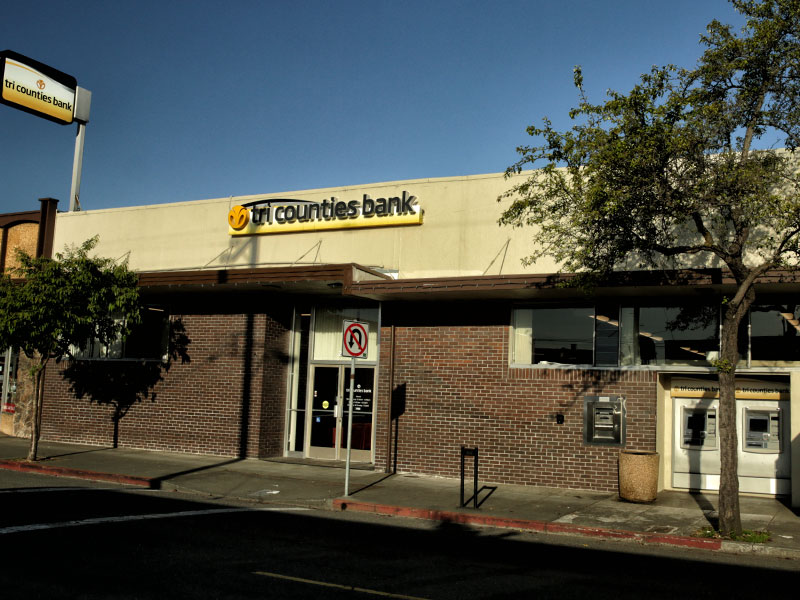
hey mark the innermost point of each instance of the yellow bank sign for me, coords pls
(36, 88)
(746, 389)
(285, 215)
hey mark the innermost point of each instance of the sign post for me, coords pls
(355, 335)
(83, 101)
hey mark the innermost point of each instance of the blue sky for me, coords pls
(208, 99)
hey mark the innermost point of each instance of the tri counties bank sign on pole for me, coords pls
(285, 215)
(36, 88)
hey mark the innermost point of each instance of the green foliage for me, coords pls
(48, 305)
(722, 365)
(748, 535)
(666, 175)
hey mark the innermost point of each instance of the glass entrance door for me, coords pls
(325, 409)
(328, 414)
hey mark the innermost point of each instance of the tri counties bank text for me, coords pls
(37, 94)
(264, 213)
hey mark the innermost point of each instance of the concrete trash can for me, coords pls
(638, 475)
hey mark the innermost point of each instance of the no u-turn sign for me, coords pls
(355, 335)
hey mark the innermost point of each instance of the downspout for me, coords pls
(389, 461)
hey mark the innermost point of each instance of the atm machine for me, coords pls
(604, 420)
(762, 428)
(764, 449)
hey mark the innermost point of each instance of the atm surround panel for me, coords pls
(604, 420)
(762, 430)
(699, 427)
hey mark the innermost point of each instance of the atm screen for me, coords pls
(699, 428)
(759, 424)
(695, 422)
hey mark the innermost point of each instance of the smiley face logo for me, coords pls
(238, 218)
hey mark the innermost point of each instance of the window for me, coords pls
(564, 335)
(633, 335)
(774, 333)
(148, 341)
(606, 336)
(610, 335)
(671, 335)
(327, 334)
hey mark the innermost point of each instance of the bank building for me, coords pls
(240, 352)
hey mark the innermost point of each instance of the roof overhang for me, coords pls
(325, 280)
(701, 283)
(352, 280)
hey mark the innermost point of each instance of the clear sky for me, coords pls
(207, 99)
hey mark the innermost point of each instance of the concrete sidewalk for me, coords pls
(672, 519)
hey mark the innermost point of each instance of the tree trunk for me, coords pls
(34, 414)
(730, 522)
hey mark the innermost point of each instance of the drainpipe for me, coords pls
(389, 461)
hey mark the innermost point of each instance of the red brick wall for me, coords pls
(458, 388)
(450, 378)
(224, 396)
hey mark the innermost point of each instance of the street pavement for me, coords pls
(672, 519)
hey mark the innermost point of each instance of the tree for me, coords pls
(55, 305)
(667, 176)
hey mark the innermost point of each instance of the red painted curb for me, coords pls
(29, 467)
(526, 524)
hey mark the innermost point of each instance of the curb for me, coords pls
(464, 518)
(530, 525)
(31, 467)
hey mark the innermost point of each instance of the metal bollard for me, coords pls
(474, 453)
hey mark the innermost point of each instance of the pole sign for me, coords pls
(354, 339)
(36, 88)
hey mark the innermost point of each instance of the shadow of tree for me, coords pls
(123, 383)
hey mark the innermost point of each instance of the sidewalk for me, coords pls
(671, 519)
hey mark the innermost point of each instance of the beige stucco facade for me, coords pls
(459, 234)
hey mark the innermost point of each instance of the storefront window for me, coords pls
(609, 335)
(328, 331)
(606, 336)
(148, 341)
(563, 335)
(522, 336)
(775, 333)
(554, 336)
(675, 335)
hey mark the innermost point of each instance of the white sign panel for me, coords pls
(355, 336)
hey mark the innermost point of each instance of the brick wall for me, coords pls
(453, 383)
(223, 391)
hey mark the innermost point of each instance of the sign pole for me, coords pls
(355, 336)
(349, 427)
(83, 103)
(77, 167)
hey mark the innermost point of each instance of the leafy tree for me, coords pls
(52, 306)
(667, 176)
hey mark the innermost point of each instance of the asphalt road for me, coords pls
(64, 538)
